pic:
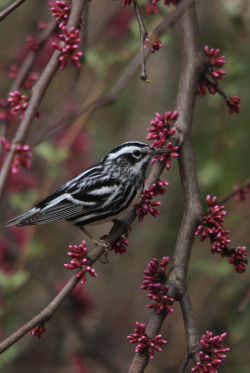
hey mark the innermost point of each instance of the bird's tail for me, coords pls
(22, 220)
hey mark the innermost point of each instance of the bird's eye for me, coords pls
(136, 153)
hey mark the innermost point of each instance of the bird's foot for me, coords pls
(104, 258)
(97, 242)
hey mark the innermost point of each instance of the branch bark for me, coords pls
(10, 9)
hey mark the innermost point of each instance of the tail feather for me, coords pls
(23, 219)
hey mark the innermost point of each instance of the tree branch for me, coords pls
(143, 35)
(192, 62)
(10, 9)
(44, 315)
(37, 94)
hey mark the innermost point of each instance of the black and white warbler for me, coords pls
(101, 193)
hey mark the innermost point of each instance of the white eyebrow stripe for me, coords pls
(125, 150)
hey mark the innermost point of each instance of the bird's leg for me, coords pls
(126, 226)
(105, 245)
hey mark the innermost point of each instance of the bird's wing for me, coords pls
(75, 198)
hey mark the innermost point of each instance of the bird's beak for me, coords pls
(160, 151)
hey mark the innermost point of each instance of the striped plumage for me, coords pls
(101, 193)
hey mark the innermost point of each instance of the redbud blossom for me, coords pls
(238, 259)
(146, 206)
(38, 331)
(242, 192)
(22, 155)
(80, 261)
(154, 46)
(213, 68)
(233, 104)
(144, 342)
(20, 102)
(212, 353)
(60, 10)
(167, 157)
(162, 127)
(211, 227)
(69, 49)
(154, 280)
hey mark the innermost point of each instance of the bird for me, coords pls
(101, 193)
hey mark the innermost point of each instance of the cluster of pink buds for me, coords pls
(71, 40)
(119, 246)
(162, 128)
(238, 259)
(212, 353)
(213, 67)
(167, 157)
(154, 46)
(242, 192)
(38, 331)
(154, 281)
(233, 104)
(32, 44)
(146, 206)
(80, 261)
(20, 102)
(60, 10)
(22, 155)
(144, 342)
(5, 112)
(213, 73)
(211, 227)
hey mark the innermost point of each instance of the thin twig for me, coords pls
(143, 36)
(10, 9)
(43, 316)
(233, 194)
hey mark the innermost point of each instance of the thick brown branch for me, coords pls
(10, 9)
(191, 68)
